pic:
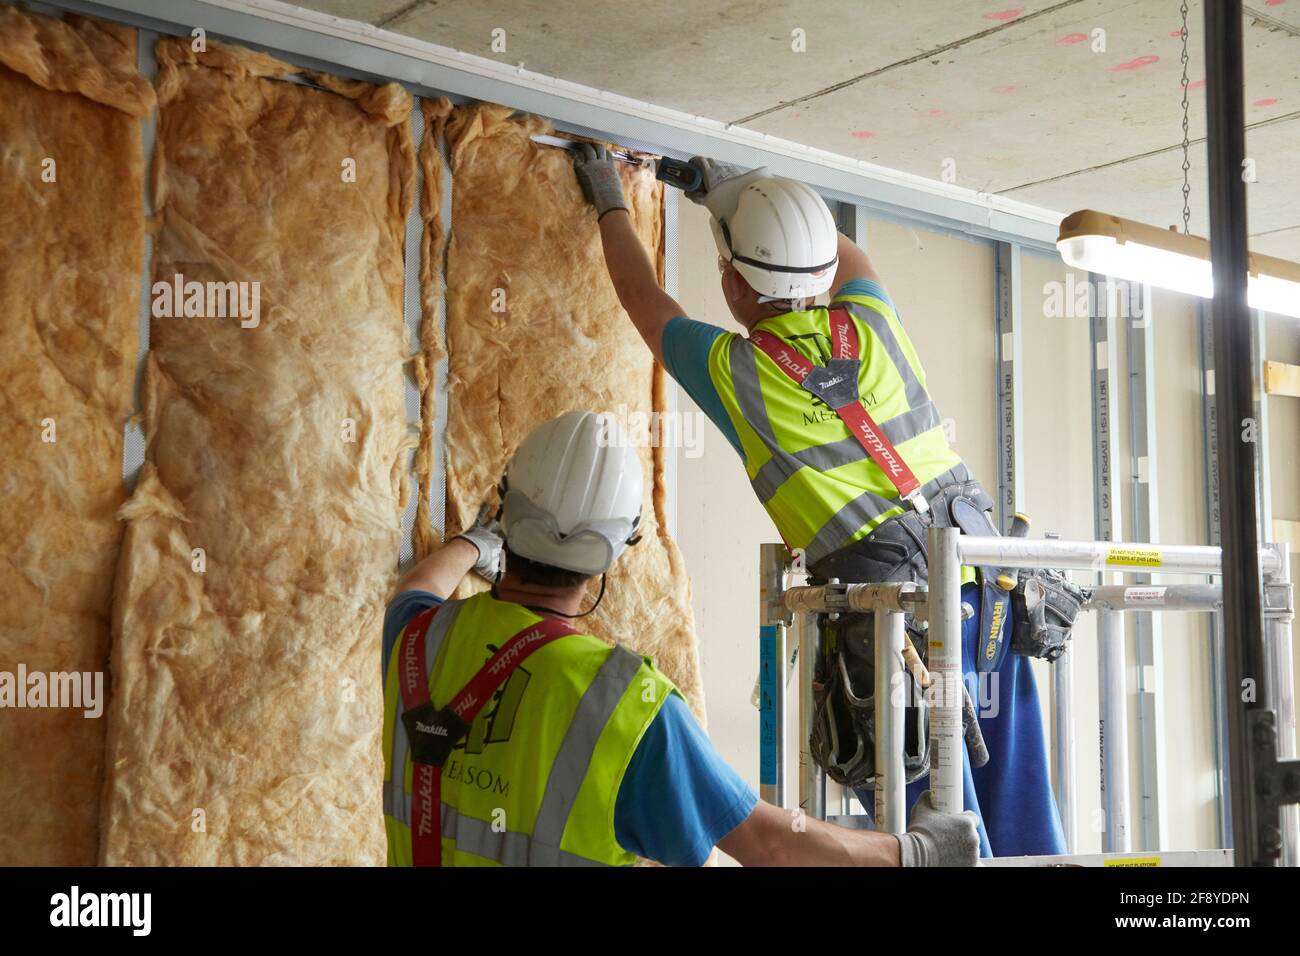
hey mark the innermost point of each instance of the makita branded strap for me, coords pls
(837, 385)
(434, 732)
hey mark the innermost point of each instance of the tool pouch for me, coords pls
(1045, 604)
(843, 737)
(844, 730)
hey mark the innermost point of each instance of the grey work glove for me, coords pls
(485, 534)
(939, 839)
(1044, 606)
(721, 186)
(598, 177)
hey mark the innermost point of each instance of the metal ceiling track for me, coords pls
(362, 51)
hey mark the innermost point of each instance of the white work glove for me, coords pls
(485, 534)
(939, 839)
(722, 185)
(598, 177)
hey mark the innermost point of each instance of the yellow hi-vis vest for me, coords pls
(819, 485)
(535, 781)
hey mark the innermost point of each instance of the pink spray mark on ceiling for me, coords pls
(1136, 64)
(1004, 89)
(1071, 38)
(1005, 14)
(862, 134)
(1196, 85)
(936, 112)
(1267, 101)
(1175, 33)
(1273, 3)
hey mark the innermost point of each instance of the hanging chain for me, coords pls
(1187, 164)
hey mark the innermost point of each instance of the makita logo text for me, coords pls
(842, 338)
(878, 446)
(425, 792)
(436, 729)
(789, 362)
(410, 663)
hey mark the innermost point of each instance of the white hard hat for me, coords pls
(572, 493)
(781, 238)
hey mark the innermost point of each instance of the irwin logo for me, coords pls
(995, 628)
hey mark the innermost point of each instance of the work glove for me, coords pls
(1044, 605)
(721, 185)
(939, 839)
(598, 177)
(485, 534)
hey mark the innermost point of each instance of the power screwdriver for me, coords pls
(674, 172)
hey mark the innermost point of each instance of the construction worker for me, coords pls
(518, 739)
(828, 410)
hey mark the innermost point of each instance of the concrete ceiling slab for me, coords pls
(1273, 13)
(1149, 189)
(367, 11)
(723, 60)
(1036, 100)
(1285, 244)
(997, 95)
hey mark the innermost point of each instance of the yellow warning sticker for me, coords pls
(1142, 557)
(1133, 861)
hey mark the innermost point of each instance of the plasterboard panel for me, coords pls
(1179, 498)
(951, 323)
(1057, 488)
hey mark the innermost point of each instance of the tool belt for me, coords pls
(843, 736)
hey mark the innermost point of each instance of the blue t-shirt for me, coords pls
(686, 344)
(678, 797)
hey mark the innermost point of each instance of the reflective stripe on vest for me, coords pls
(478, 837)
(542, 848)
(867, 507)
(395, 792)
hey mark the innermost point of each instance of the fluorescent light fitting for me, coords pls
(1108, 245)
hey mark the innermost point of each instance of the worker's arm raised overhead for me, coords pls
(648, 306)
(853, 264)
(630, 269)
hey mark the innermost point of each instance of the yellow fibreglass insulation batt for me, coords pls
(246, 714)
(534, 329)
(72, 222)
